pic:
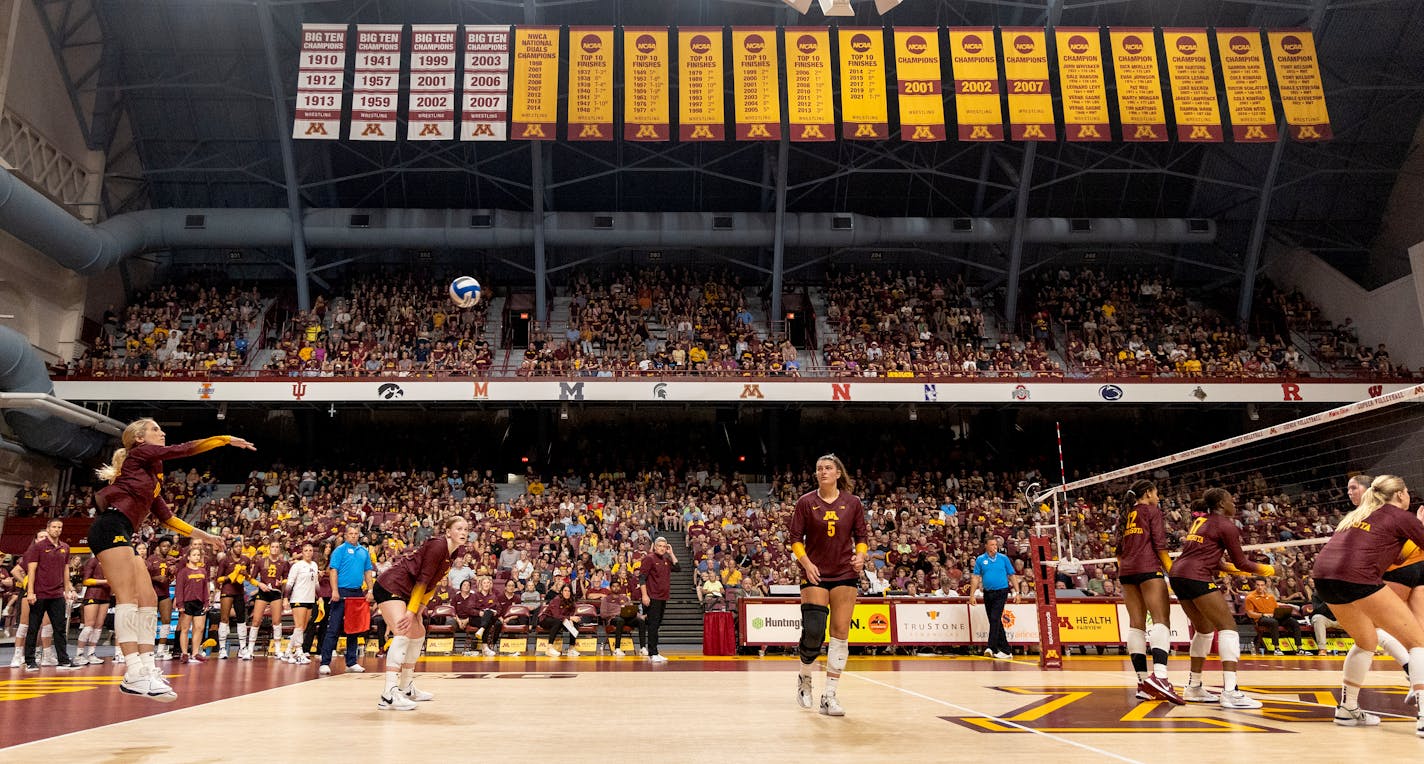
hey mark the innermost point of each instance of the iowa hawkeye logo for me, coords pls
(1099, 709)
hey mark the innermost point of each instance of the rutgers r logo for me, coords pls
(752, 391)
(1290, 391)
(316, 128)
(299, 390)
(373, 128)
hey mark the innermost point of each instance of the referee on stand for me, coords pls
(996, 575)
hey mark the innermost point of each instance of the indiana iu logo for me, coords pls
(206, 391)
(299, 390)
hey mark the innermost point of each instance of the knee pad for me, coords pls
(412, 652)
(146, 623)
(1160, 637)
(1136, 641)
(1201, 644)
(836, 656)
(813, 631)
(1228, 644)
(1357, 665)
(46, 631)
(395, 654)
(126, 623)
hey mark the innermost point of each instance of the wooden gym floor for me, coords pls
(695, 709)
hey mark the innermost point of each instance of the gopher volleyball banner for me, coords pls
(810, 107)
(1298, 77)
(486, 95)
(865, 107)
(702, 108)
(1080, 75)
(757, 84)
(1248, 93)
(920, 83)
(645, 84)
(1139, 85)
(1193, 85)
(536, 83)
(590, 84)
(1030, 91)
(321, 78)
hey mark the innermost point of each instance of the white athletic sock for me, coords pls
(294, 645)
(1228, 644)
(241, 635)
(806, 669)
(222, 636)
(146, 664)
(412, 656)
(1416, 669)
(1137, 645)
(392, 681)
(836, 654)
(277, 634)
(1160, 638)
(1357, 667)
(1397, 651)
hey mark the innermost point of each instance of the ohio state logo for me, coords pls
(700, 44)
(1024, 44)
(1078, 44)
(806, 44)
(646, 44)
(754, 43)
(1132, 44)
(591, 44)
(972, 44)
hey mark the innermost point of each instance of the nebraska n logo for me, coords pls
(316, 128)
(840, 392)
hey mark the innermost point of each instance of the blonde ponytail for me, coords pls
(110, 472)
(1381, 490)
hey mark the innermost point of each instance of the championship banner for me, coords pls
(1080, 75)
(1139, 84)
(430, 113)
(974, 56)
(1189, 68)
(486, 94)
(645, 84)
(535, 116)
(810, 107)
(757, 84)
(1248, 93)
(702, 114)
(375, 89)
(865, 108)
(590, 84)
(320, 79)
(1030, 91)
(920, 84)
(1298, 78)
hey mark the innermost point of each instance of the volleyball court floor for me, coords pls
(695, 709)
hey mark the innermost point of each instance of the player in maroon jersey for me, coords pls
(1194, 581)
(96, 606)
(1349, 577)
(270, 575)
(135, 478)
(485, 609)
(829, 539)
(401, 593)
(191, 592)
(161, 566)
(233, 569)
(1143, 562)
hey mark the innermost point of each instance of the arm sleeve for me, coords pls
(798, 526)
(862, 528)
(1231, 538)
(162, 511)
(190, 448)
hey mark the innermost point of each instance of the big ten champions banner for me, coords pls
(1139, 84)
(1080, 76)
(702, 67)
(757, 84)
(1194, 102)
(865, 108)
(486, 94)
(920, 83)
(1248, 93)
(590, 84)
(1298, 78)
(810, 107)
(430, 112)
(645, 84)
(535, 114)
(974, 57)
(320, 79)
(375, 90)
(1030, 91)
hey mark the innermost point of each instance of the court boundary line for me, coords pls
(1016, 725)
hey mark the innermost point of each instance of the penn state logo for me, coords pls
(1110, 393)
(390, 391)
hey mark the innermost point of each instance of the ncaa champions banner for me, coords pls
(536, 83)
(1030, 92)
(590, 84)
(1080, 75)
(974, 56)
(1298, 78)
(486, 94)
(430, 112)
(376, 87)
(920, 84)
(757, 84)
(702, 107)
(1189, 67)
(1248, 93)
(645, 84)
(865, 108)
(1139, 84)
(810, 107)
(320, 79)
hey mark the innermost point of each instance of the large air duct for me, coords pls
(30, 217)
(38, 419)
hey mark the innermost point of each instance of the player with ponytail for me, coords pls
(1142, 567)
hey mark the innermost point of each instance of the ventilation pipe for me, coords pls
(45, 424)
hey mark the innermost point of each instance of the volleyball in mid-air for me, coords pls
(465, 291)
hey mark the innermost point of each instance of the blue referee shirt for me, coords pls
(994, 571)
(351, 561)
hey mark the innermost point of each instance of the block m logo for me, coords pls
(569, 392)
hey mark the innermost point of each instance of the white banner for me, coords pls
(652, 390)
(375, 89)
(430, 112)
(933, 623)
(1020, 624)
(320, 79)
(773, 622)
(485, 114)
(1181, 626)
